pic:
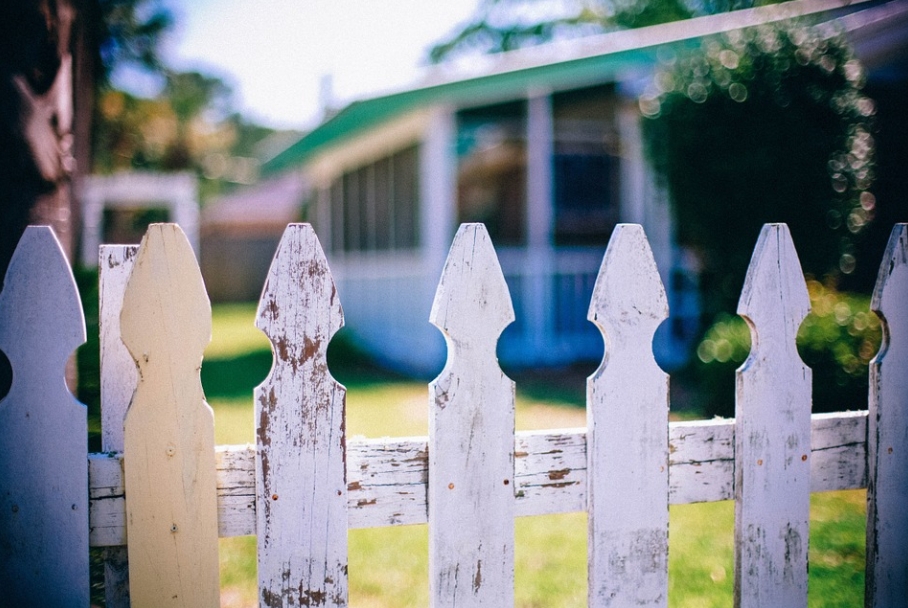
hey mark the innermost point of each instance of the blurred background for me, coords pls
(386, 124)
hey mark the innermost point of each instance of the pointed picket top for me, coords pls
(471, 434)
(299, 260)
(628, 295)
(472, 280)
(301, 489)
(169, 464)
(40, 275)
(772, 431)
(774, 288)
(627, 431)
(887, 434)
(44, 438)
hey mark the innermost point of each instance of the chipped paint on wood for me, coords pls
(471, 433)
(887, 439)
(44, 438)
(169, 464)
(301, 484)
(772, 435)
(627, 431)
(118, 383)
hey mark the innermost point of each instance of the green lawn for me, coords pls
(388, 566)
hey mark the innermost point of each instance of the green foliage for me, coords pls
(837, 340)
(88, 356)
(763, 125)
(129, 33)
(505, 25)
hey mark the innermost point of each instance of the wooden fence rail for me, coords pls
(161, 493)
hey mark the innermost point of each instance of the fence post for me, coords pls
(169, 463)
(43, 432)
(471, 433)
(627, 431)
(301, 489)
(118, 383)
(772, 431)
(887, 434)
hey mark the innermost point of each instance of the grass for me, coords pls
(388, 567)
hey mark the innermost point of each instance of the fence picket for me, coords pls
(44, 438)
(887, 437)
(471, 433)
(301, 490)
(627, 431)
(118, 383)
(772, 434)
(169, 464)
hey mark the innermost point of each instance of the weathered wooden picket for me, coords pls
(165, 492)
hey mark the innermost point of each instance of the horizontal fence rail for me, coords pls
(161, 493)
(387, 478)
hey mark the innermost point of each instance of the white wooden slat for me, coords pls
(299, 411)
(387, 478)
(118, 383)
(887, 438)
(627, 431)
(772, 435)
(471, 433)
(44, 438)
(169, 463)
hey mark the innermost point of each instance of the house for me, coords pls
(543, 146)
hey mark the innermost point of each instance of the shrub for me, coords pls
(837, 340)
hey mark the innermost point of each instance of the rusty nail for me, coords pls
(339, 493)
(507, 481)
(760, 462)
(450, 486)
(804, 457)
(274, 497)
(889, 450)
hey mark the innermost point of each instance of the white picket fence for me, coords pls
(165, 487)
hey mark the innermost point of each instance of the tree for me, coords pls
(52, 53)
(764, 124)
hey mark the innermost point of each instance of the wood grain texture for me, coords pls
(772, 434)
(169, 463)
(471, 433)
(627, 431)
(887, 438)
(118, 383)
(387, 478)
(44, 438)
(301, 486)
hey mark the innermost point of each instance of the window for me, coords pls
(491, 170)
(375, 207)
(586, 167)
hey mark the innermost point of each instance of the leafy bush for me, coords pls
(837, 340)
(766, 124)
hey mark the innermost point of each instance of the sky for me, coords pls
(276, 53)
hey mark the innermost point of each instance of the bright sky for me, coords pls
(275, 53)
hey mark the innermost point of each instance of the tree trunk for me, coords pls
(36, 122)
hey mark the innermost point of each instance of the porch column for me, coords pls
(538, 288)
(643, 200)
(438, 188)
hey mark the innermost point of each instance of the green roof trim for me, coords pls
(620, 52)
(362, 115)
